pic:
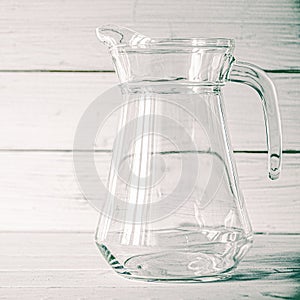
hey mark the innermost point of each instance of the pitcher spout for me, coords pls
(138, 58)
(114, 35)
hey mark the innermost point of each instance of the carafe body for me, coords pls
(173, 209)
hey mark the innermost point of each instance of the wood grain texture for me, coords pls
(42, 110)
(68, 266)
(40, 192)
(60, 34)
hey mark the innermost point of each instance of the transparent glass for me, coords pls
(174, 211)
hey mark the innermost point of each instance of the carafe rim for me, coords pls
(179, 43)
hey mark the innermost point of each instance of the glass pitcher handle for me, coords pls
(256, 78)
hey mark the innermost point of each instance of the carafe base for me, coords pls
(196, 262)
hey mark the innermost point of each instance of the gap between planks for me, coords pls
(289, 151)
(276, 71)
(93, 231)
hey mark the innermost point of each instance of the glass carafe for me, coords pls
(174, 210)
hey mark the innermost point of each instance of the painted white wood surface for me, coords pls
(59, 34)
(40, 192)
(68, 266)
(42, 110)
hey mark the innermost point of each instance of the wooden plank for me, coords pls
(56, 254)
(60, 35)
(269, 270)
(40, 192)
(42, 110)
(268, 290)
(35, 116)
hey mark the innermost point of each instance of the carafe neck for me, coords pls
(203, 66)
(139, 58)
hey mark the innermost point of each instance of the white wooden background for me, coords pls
(52, 67)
